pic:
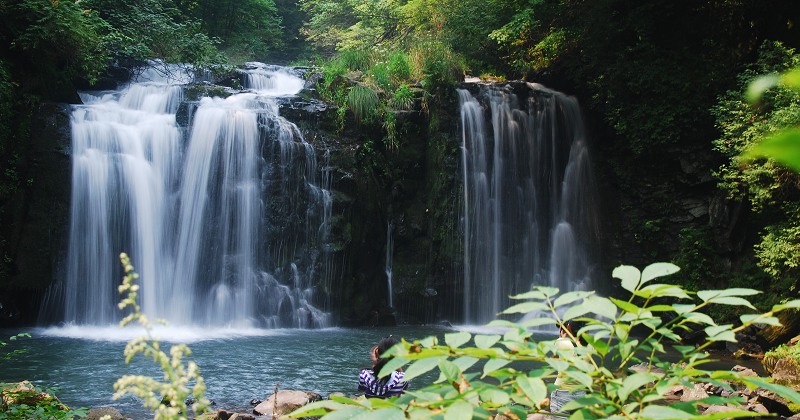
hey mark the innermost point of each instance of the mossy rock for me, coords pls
(783, 351)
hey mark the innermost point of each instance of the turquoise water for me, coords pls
(82, 364)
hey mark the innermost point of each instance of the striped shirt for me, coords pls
(390, 386)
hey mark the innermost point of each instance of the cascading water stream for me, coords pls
(528, 202)
(388, 264)
(202, 211)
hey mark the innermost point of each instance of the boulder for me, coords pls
(98, 413)
(284, 402)
(787, 372)
(25, 393)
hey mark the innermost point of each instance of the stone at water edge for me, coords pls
(787, 372)
(98, 412)
(287, 401)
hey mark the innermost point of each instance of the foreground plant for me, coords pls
(167, 400)
(622, 367)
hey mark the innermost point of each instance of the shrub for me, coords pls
(506, 373)
(166, 399)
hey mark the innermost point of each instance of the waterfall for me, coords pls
(528, 212)
(208, 213)
(388, 266)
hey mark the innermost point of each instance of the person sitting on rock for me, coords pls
(389, 386)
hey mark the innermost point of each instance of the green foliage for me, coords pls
(166, 399)
(26, 402)
(440, 67)
(363, 102)
(247, 29)
(750, 133)
(5, 355)
(509, 372)
(403, 98)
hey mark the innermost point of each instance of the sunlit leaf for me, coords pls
(345, 400)
(525, 307)
(664, 412)
(450, 370)
(781, 390)
(486, 341)
(656, 270)
(575, 311)
(392, 365)
(634, 382)
(625, 306)
(783, 147)
(601, 306)
(721, 333)
(495, 396)
(570, 297)
(761, 84)
(457, 339)
(538, 322)
(699, 318)
(533, 294)
(760, 319)
(534, 388)
(458, 411)
(599, 345)
(420, 367)
(465, 362)
(493, 365)
(629, 275)
(792, 304)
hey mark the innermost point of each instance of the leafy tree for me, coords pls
(248, 29)
(769, 187)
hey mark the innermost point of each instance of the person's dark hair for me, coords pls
(383, 345)
(574, 326)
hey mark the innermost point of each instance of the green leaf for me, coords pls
(525, 307)
(629, 275)
(580, 377)
(783, 147)
(634, 382)
(791, 79)
(392, 365)
(457, 339)
(699, 318)
(345, 400)
(721, 333)
(493, 365)
(458, 411)
(626, 306)
(781, 390)
(533, 294)
(318, 408)
(486, 341)
(450, 370)
(575, 312)
(420, 367)
(465, 362)
(494, 396)
(538, 322)
(656, 270)
(534, 388)
(664, 412)
(601, 306)
(792, 304)
(570, 297)
(599, 345)
(760, 319)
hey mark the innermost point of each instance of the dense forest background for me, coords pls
(662, 84)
